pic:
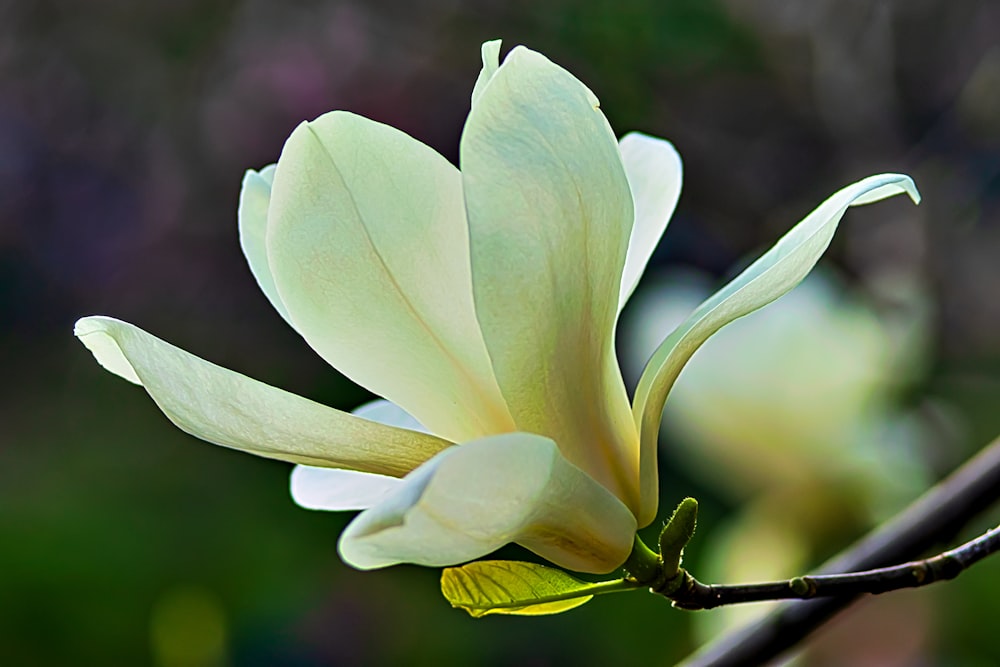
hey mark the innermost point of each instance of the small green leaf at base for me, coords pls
(513, 587)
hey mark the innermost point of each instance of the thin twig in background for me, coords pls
(694, 595)
(936, 517)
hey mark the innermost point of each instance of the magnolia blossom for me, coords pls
(482, 305)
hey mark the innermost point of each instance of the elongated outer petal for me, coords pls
(776, 272)
(255, 197)
(232, 410)
(335, 489)
(550, 215)
(654, 172)
(368, 246)
(470, 500)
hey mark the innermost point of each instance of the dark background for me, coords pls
(125, 129)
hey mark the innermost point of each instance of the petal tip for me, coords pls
(906, 183)
(356, 557)
(265, 174)
(491, 53)
(95, 333)
(86, 325)
(491, 63)
(879, 187)
(912, 191)
(295, 487)
(249, 176)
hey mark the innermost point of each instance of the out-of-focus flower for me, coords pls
(482, 306)
(807, 388)
(794, 413)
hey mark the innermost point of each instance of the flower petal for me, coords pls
(338, 490)
(654, 172)
(387, 412)
(470, 500)
(232, 410)
(776, 272)
(550, 215)
(491, 61)
(255, 197)
(368, 246)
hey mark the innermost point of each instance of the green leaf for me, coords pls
(512, 587)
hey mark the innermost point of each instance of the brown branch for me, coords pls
(692, 594)
(932, 519)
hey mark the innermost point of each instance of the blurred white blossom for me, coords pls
(795, 413)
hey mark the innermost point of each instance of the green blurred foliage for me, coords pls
(124, 130)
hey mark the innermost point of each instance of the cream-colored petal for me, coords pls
(232, 410)
(470, 500)
(255, 196)
(335, 489)
(550, 215)
(338, 490)
(368, 246)
(776, 272)
(387, 412)
(654, 172)
(491, 61)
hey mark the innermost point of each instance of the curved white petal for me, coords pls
(232, 410)
(368, 246)
(776, 272)
(255, 196)
(336, 490)
(387, 412)
(550, 215)
(655, 173)
(470, 500)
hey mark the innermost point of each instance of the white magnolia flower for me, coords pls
(483, 302)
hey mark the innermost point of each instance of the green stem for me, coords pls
(693, 594)
(643, 565)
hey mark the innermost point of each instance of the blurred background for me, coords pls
(125, 129)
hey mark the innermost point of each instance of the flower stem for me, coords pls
(643, 565)
(693, 594)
